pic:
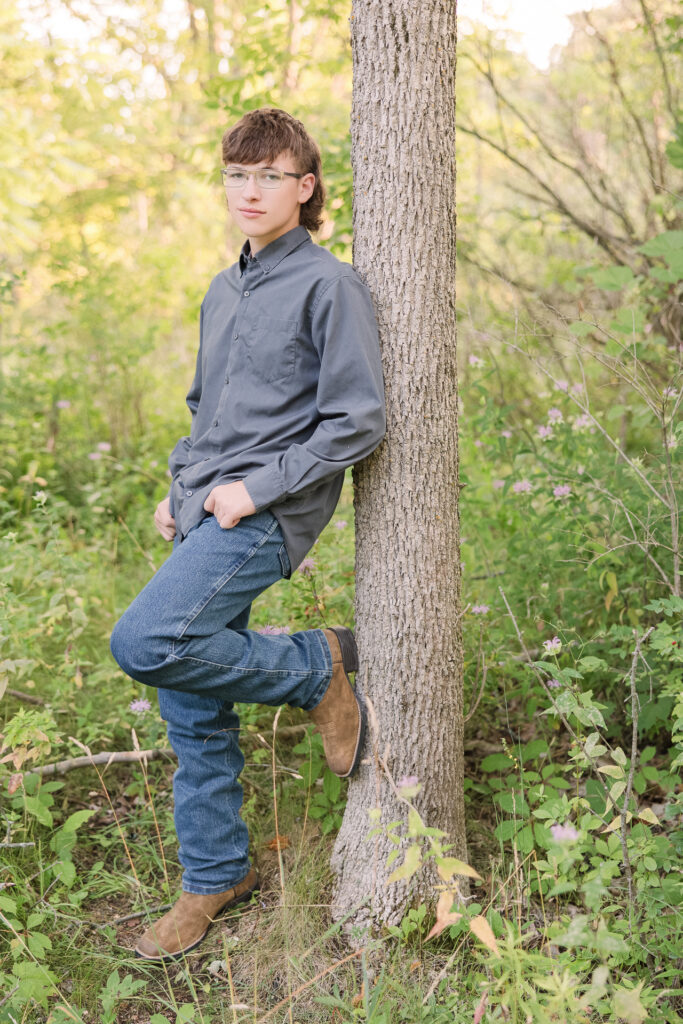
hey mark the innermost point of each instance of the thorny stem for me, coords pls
(640, 640)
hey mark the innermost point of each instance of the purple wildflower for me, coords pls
(307, 567)
(94, 456)
(497, 484)
(521, 486)
(555, 415)
(562, 385)
(140, 706)
(340, 524)
(563, 491)
(564, 833)
(408, 786)
(478, 444)
(479, 609)
(104, 446)
(553, 684)
(544, 431)
(63, 403)
(272, 630)
(553, 646)
(582, 422)
(475, 361)
(506, 433)
(577, 389)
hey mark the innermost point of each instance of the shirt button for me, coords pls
(266, 267)
(227, 379)
(188, 494)
(235, 337)
(246, 295)
(215, 423)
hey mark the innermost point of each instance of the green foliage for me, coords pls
(112, 226)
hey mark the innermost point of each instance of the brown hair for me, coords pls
(266, 133)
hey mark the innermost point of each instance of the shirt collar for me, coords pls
(275, 251)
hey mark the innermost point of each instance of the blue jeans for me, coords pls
(186, 633)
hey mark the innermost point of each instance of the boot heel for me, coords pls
(347, 644)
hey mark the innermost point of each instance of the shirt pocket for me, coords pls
(271, 348)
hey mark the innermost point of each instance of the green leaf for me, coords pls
(628, 1006)
(496, 762)
(331, 786)
(613, 770)
(410, 865)
(663, 245)
(185, 1013)
(75, 820)
(612, 279)
(34, 806)
(450, 866)
(591, 664)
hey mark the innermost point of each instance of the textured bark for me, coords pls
(407, 556)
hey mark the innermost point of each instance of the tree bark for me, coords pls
(406, 497)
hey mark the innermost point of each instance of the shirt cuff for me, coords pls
(265, 486)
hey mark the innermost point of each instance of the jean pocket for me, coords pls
(284, 561)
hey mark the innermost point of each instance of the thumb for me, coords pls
(210, 502)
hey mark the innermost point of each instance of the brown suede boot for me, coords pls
(340, 717)
(189, 919)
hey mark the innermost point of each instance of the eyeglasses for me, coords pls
(265, 177)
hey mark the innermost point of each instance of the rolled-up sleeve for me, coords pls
(349, 400)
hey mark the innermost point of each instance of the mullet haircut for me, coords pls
(267, 133)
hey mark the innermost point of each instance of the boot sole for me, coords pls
(349, 653)
(171, 957)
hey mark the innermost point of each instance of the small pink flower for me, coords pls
(506, 433)
(544, 431)
(564, 833)
(553, 646)
(478, 444)
(577, 389)
(475, 361)
(140, 706)
(553, 684)
(497, 484)
(340, 524)
(582, 422)
(94, 456)
(104, 446)
(272, 630)
(63, 403)
(562, 385)
(307, 567)
(555, 415)
(563, 491)
(479, 609)
(521, 486)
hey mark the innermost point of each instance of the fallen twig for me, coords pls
(28, 698)
(106, 757)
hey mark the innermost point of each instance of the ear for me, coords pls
(306, 186)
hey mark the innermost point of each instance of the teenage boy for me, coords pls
(287, 394)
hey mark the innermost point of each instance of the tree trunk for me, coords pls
(407, 553)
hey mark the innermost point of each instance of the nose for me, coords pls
(251, 188)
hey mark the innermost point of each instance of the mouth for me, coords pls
(250, 211)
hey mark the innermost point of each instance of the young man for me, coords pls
(287, 394)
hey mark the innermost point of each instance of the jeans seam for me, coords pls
(199, 607)
(259, 670)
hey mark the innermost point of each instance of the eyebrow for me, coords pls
(263, 167)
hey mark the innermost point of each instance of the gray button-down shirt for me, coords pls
(288, 388)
